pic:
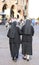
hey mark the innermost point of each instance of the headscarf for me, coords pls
(12, 31)
(13, 25)
(13, 28)
(27, 29)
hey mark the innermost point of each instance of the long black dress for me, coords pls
(27, 33)
(14, 39)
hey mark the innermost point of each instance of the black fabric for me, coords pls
(27, 37)
(27, 41)
(26, 48)
(14, 48)
(14, 40)
(12, 30)
(27, 29)
(17, 35)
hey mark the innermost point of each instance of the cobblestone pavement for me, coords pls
(5, 57)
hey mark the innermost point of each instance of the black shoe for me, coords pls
(13, 58)
(24, 58)
(27, 59)
(17, 56)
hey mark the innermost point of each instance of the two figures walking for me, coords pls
(27, 31)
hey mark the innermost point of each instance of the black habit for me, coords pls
(27, 33)
(14, 39)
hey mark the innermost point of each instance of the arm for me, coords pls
(32, 31)
(8, 33)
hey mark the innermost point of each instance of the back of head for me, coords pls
(28, 22)
(13, 25)
(27, 29)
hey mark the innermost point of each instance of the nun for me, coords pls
(27, 33)
(14, 40)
